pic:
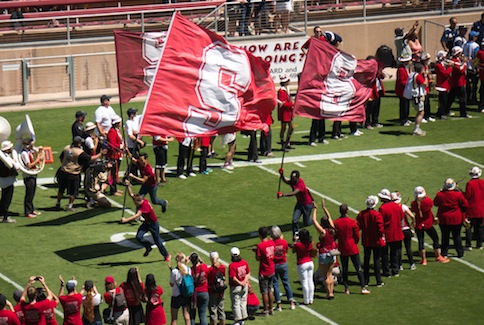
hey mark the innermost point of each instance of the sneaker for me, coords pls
(71, 209)
(369, 127)
(379, 285)
(228, 167)
(442, 259)
(37, 213)
(163, 207)
(467, 248)
(444, 117)
(204, 172)
(182, 176)
(270, 155)
(378, 126)
(313, 144)
(290, 147)
(279, 308)
(467, 116)
(31, 215)
(451, 114)
(401, 267)
(482, 110)
(365, 291)
(293, 305)
(57, 206)
(423, 262)
(9, 220)
(356, 134)
(431, 119)
(256, 161)
(424, 120)
(408, 123)
(168, 258)
(413, 267)
(324, 141)
(192, 174)
(336, 137)
(347, 291)
(419, 132)
(147, 251)
(209, 170)
(396, 275)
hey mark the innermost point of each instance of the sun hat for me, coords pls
(449, 184)
(456, 50)
(475, 172)
(90, 126)
(6, 145)
(371, 201)
(396, 197)
(283, 78)
(419, 192)
(385, 194)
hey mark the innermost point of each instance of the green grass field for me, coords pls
(222, 210)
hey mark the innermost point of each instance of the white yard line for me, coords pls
(462, 158)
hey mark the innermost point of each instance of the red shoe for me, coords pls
(168, 258)
(442, 259)
(423, 262)
(31, 215)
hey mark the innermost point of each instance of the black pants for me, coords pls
(471, 86)
(443, 99)
(355, 259)
(408, 245)
(404, 110)
(184, 153)
(373, 111)
(318, 129)
(203, 160)
(476, 224)
(114, 176)
(7, 195)
(455, 231)
(376, 263)
(432, 234)
(427, 107)
(30, 186)
(391, 262)
(336, 129)
(133, 167)
(265, 143)
(252, 154)
(460, 94)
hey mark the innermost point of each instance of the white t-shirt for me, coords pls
(89, 142)
(104, 115)
(131, 127)
(175, 279)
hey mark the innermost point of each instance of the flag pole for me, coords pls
(284, 149)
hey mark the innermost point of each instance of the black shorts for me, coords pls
(161, 155)
(179, 301)
(68, 181)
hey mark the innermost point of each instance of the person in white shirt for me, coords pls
(133, 141)
(103, 116)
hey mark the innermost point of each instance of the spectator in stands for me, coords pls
(216, 300)
(261, 17)
(451, 213)
(103, 116)
(77, 127)
(282, 10)
(443, 69)
(285, 113)
(133, 139)
(470, 51)
(239, 275)
(199, 271)
(478, 27)
(160, 148)
(155, 312)
(68, 176)
(475, 213)
(133, 290)
(15, 17)
(450, 33)
(91, 302)
(233, 14)
(424, 221)
(115, 153)
(30, 159)
(34, 309)
(115, 299)
(71, 302)
(281, 269)
(177, 299)
(317, 33)
(7, 316)
(458, 82)
(7, 179)
(403, 71)
(245, 17)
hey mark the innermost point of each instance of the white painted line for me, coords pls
(299, 164)
(375, 158)
(462, 158)
(226, 170)
(411, 155)
(42, 187)
(336, 161)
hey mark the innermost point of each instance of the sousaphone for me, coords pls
(25, 130)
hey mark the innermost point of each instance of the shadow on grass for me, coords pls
(396, 133)
(86, 252)
(77, 216)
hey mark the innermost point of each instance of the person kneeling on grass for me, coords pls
(150, 223)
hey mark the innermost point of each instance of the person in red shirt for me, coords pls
(199, 272)
(253, 303)
(475, 212)
(147, 180)
(120, 311)
(216, 304)
(424, 221)
(71, 302)
(17, 294)
(285, 113)
(303, 248)
(458, 82)
(155, 312)
(403, 72)
(33, 309)
(348, 234)
(204, 145)
(451, 213)
(133, 290)
(115, 153)
(393, 216)
(281, 247)
(480, 62)
(443, 70)
(7, 317)
(326, 244)
(150, 224)
(370, 222)
(304, 204)
(264, 253)
(239, 274)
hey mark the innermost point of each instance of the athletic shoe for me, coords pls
(182, 176)
(423, 262)
(256, 161)
(356, 134)
(419, 132)
(9, 220)
(401, 267)
(71, 209)
(31, 215)
(365, 291)
(270, 155)
(467, 248)
(379, 285)
(147, 251)
(378, 126)
(431, 119)
(424, 121)
(293, 305)
(396, 275)
(467, 116)
(336, 137)
(451, 114)
(290, 147)
(37, 213)
(413, 267)
(408, 123)
(313, 144)
(369, 127)
(57, 207)
(228, 167)
(279, 308)
(442, 259)
(324, 141)
(163, 207)
(204, 172)
(347, 291)
(192, 174)
(482, 110)
(209, 170)
(168, 258)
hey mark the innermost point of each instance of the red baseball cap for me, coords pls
(109, 279)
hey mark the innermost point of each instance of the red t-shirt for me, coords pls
(200, 277)
(34, 313)
(50, 315)
(252, 299)
(20, 313)
(303, 252)
(238, 270)
(155, 313)
(265, 253)
(8, 317)
(147, 170)
(303, 197)
(72, 308)
(371, 225)
(212, 271)
(424, 217)
(348, 234)
(130, 294)
(147, 212)
(280, 251)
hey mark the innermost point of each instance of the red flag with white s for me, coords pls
(334, 85)
(204, 86)
(137, 55)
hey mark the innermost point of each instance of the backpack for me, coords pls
(219, 285)
(408, 90)
(187, 286)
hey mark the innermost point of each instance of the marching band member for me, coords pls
(8, 173)
(30, 161)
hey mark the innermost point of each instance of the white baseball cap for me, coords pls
(234, 251)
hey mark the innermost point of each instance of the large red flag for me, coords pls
(137, 55)
(205, 86)
(334, 85)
